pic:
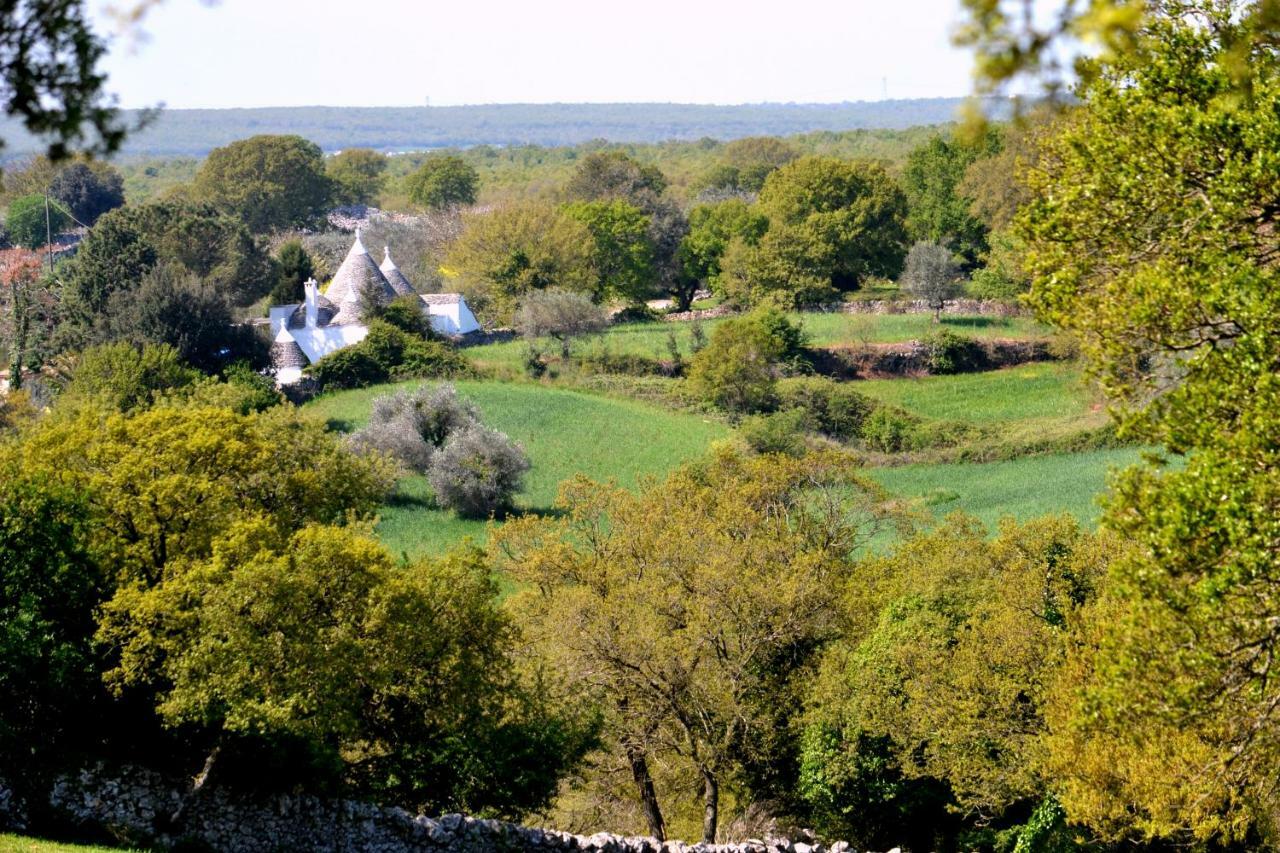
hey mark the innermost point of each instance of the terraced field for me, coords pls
(564, 432)
(651, 339)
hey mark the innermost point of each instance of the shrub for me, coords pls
(406, 314)
(478, 471)
(889, 430)
(124, 376)
(636, 314)
(387, 353)
(411, 426)
(948, 352)
(242, 390)
(779, 432)
(833, 408)
(602, 360)
(561, 315)
(352, 367)
(26, 221)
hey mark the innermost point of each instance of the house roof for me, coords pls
(394, 277)
(357, 276)
(325, 312)
(286, 353)
(442, 298)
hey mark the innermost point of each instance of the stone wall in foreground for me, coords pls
(136, 805)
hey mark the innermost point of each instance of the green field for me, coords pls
(824, 329)
(563, 432)
(1020, 488)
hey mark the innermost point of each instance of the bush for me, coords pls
(636, 314)
(602, 360)
(406, 314)
(477, 472)
(242, 390)
(779, 432)
(124, 376)
(26, 222)
(559, 314)
(833, 408)
(737, 371)
(411, 426)
(948, 352)
(889, 430)
(388, 353)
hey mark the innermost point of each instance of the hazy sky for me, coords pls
(401, 52)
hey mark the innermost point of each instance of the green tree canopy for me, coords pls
(832, 224)
(27, 224)
(357, 175)
(1164, 271)
(711, 228)
(293, 268)
(443, 181)
(623, 254)
(938, 210)
(605, 175)
(516, 249)
(269, 182)
(88, 189)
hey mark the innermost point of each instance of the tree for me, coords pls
(50, 587)
(478, 471)
(404, 674)
(738, 369)
(412, 425)
(1165, 723)
(623, 256)
(127, 243)
(938, 210)
(172, 306)
(711, 228)
(559, 314)
(931, 274)
(269, 182)
(357, 175)
(606, 175)
(294, 268)
(32, 219)
(123, 377)
(27, 312)
(948, 657)
(746, 162)
(687, 609)
(514, 250)
(442, 182)
(88, 190)
(831, 225)
(49, 77)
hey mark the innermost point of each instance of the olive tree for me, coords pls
(559, 314)
(931, 274)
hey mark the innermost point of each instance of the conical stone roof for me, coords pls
(357, 276)
(285, 352)
(394, 277)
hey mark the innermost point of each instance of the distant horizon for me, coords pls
(323, 106)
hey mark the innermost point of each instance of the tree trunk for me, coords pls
(197, 784)
(710, 806)
(564, 348)
(648, 796)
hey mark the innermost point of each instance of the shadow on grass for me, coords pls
(974, 322)
(339, 425)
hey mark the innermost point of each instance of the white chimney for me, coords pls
(312, 290)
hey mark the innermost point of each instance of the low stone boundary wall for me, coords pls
(874, 361)
(134, 804)
(981, 307)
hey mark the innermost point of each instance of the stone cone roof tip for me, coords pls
(394, 277)
(357, 275)
(285, 353)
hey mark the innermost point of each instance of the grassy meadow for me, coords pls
(564, 433)
(22, 844)
(824, 329)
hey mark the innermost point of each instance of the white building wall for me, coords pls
(320, 341)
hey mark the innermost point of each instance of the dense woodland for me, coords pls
(196, 573)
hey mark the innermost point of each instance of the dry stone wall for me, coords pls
(136, 805)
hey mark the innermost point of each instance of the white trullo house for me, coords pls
(326, 322)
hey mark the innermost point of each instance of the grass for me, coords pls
(1018, 488)
(1023, 405)
(650, 339)
(564, 432)
(23, 844)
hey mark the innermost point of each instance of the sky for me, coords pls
(255, 53)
